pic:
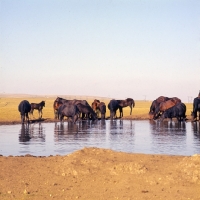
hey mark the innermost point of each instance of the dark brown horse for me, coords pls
(124, 103)
(87, 110)
(157, 102)
(37, 106)
(102, 108)
(56, 104)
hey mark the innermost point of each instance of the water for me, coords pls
(120, 135)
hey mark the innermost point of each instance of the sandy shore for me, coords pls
(93, 173)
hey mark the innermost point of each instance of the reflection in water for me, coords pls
(25, 133)
(112, 134)
(166, 127)
(138, 136)
(82, 129)
(118, 127)
(169, 136)
(34, 132)
(196, 129)
(121, 135)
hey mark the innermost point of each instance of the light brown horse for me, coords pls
(157, 102)
(165, 105)
(99, 107)
(95, 106)
(124, 103)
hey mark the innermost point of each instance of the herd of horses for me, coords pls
(76, 109)
(161, 108)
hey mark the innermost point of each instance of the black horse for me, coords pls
(196, 108)
(24, 108)
(177, 111)
(37, 106)
(113, 106)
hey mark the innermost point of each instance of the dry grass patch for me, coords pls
(9, 107)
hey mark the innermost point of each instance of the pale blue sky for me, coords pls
(117, 49)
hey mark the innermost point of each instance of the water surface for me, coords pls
(149, 137)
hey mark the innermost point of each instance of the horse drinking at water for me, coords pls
(164, 106)
(37, 106)
(156, 103)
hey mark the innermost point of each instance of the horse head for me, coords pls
(43, 103)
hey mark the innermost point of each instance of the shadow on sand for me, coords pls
(38, 120)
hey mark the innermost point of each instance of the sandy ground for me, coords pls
(93, 173)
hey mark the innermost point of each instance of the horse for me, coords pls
(60, 101)
(56, 104)
(177, 111)
(95, 106)
(113, 106)
(162, 107)
(124, 103)
(68, 110)
(98, 106)
(87, 110)
(83, 102)
(102, 108)
(157, 102)
(196, 108)
(37, 106)
(24, 108)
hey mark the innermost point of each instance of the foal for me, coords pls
(39, 107)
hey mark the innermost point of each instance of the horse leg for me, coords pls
(131, 110)
(120, 112)
(41, 114)
(199, 115)
(75, 118)
(27, 118)
(61, 117)
(22, 118)
(55, 114)
(111, 114)
(31, 113)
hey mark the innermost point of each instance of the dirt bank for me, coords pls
(94, 173)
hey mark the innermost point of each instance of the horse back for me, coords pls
(161, 99)
(24, 107)
(166, 105)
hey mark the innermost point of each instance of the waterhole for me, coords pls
(148, 137)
